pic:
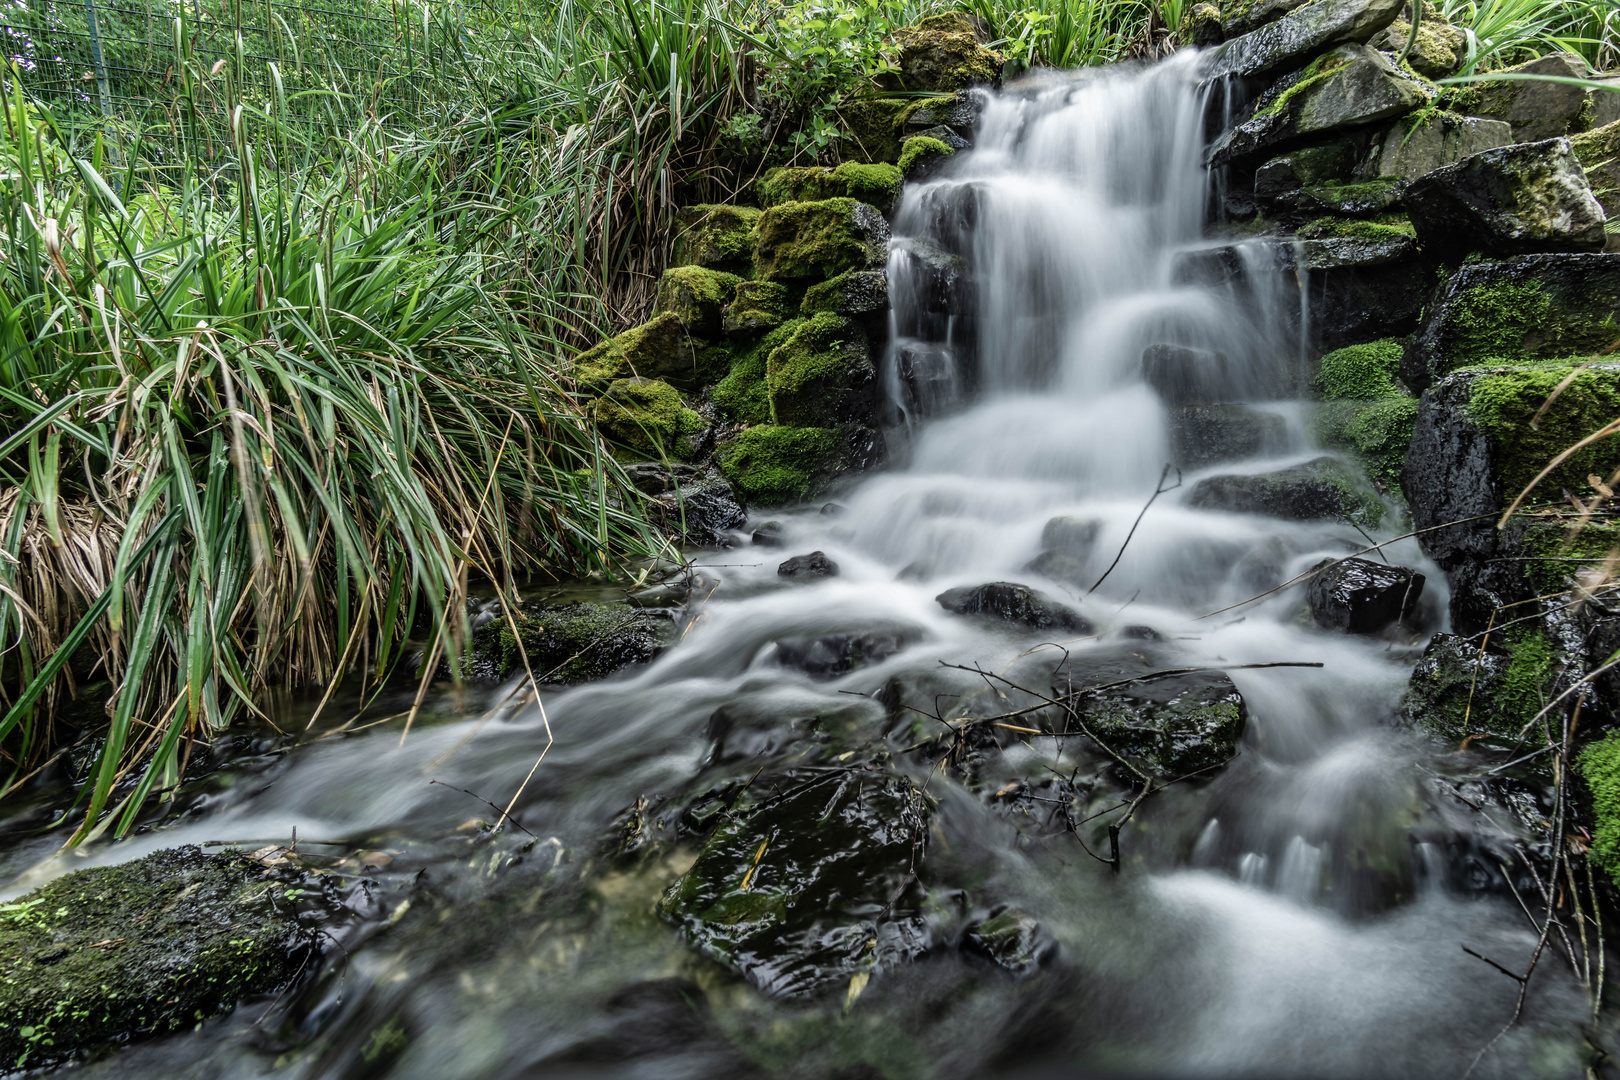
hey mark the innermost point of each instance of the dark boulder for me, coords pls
(701, 511)
(1168, 726)
(834, 655)
(1512, 200)
(1013, 603)
(150, 946)
(1362, 597)
(1319, 490)
(1011, 939)
(769, 534)
(1300, 34)
(814, 565)
(811, 885)
(1202, 435)
(573, 643)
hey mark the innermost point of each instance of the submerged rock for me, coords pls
(814, 565)
(810, 886)
(1202, 435)
(1362, 597)
(1011, 939)
(1168, 726)
(1512, 200)
(1319, 490)
(835, 655)
(154, 945)
(1013, 603)
(1301, 33)
(571, 644)
(1186, 376)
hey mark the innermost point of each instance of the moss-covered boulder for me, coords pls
(1599, 769)
(943, 52)
(1537, 107)
(758, 307)
(822, 375)
(1482, 435)
(812, 241)
(1599, 154)
(920, 155)
(856, 294)
(661, 348)
(1320, 490)
(647, 417)
(1365, 198)
(809, 887)
(876, 184)
(1535, 307)
(773, 465)
(743, 395)
(876, 127)
(1367, 413)
(1433, 139)
(571, 644)
(696, 296)
(714, 236)
(1350, 87)
(1439, 50)
(161, 943)
(1301, 33)
(1201, 26)
(1459, 691)
(1508, 201)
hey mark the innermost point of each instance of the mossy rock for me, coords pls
(813, 241)
(1439, 50)
(1365, 199)
(696, 296)
(759, 307)
(655, 349)
(942, 52)
(1361, 372)
(647, 418)
(742, 395)
(1599, 769)
(876, 127)
(1506, 404)
(877, 185)
(1533, 307)
(921, 153)
(1458, 692)
(571, 644)
(1599, 154)
(1320, 490)
(149, 946)
(1200, 25)
(853, 294)
(717, 237)
(822, 374)
(774, 465)
(1378, 432)
(1335, 228)
(1169, 727)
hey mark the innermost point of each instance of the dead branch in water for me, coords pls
(1158, 490)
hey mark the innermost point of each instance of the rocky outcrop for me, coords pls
(1359, 596)
(1019, 605)
(1513, 200)
(943, 52)
(1540, 108)
(1319, 490)
(1300, 34)
(1533, 307)
(123, 952)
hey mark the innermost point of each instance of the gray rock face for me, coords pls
(857, 294)
(1245, 18)
(1538, 109)
(1300, 33)
(1012, 603)
(1307, 167)
(1336, 252)
(1352, 86)
(1319, 490)
(1508, 201)
(1441, 139)
(1203, 435)
(1343, 200)
(1186, 376)
(1360, 596)
(1531, 307)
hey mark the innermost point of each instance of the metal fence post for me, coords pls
(95, 56)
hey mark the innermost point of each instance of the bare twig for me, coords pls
(1158, 490)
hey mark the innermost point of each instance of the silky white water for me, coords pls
(1289, 916)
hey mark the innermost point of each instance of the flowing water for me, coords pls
(1302, 912)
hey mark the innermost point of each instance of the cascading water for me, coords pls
(1299, 912)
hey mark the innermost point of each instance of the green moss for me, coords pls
(876, 126)
(1504, 403)
(942, 52)
(148, 946)
(1377, 432)
(1553, 553)
(660, 348)
(1437, 51)
(1458, 692)
(877, 184)
(774, 465)
(1351, 200)
(576, 643)
(760, 306)
(720, 237)
(919, 147)
(1529, 673)
(1315, 74)
(809, 373)
(1599, 766)
(1361, 372)
(696, 295)
(742, 395)
(854, 292)
(816, 240)
(1390, 228)
(647, 418)
(1508, 320)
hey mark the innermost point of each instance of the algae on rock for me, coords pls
(696, 296)
(773, 465)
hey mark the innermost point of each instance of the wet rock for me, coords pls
(1359, 596)
(150, 946)
(811, 885)
(718, 237)
(647, 416)
(1242, 18)
(822, 375)
(858, 294)
(877, 185)
(1066, 547)
(573, 643)
(759, 307)
(835, 655)
(1013, 603)
(1141, 633)
(1202, 435)
(1353, 252)
(1537, 108)
(1457, 691)
(943, 52)
(1439, 50)
(1598, 151)
(1301, 33)
(1319, 490)
(1438, 139)
(1186, 376)
(921, 156)
(1352, 86)
(813, 730)
(768, 535)
(1309, 166)
(773, 465)
(1362, 199)
(1509, 201)
(1011, 939)
(1168, 726)
(813, 241)
(814, 565)
(1533, 307)
(701, 511)
(659, 478)
(1361, 301)
(958, 113)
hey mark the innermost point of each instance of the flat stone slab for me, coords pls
(1301, 33)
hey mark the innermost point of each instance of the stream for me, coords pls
(1302, 911)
